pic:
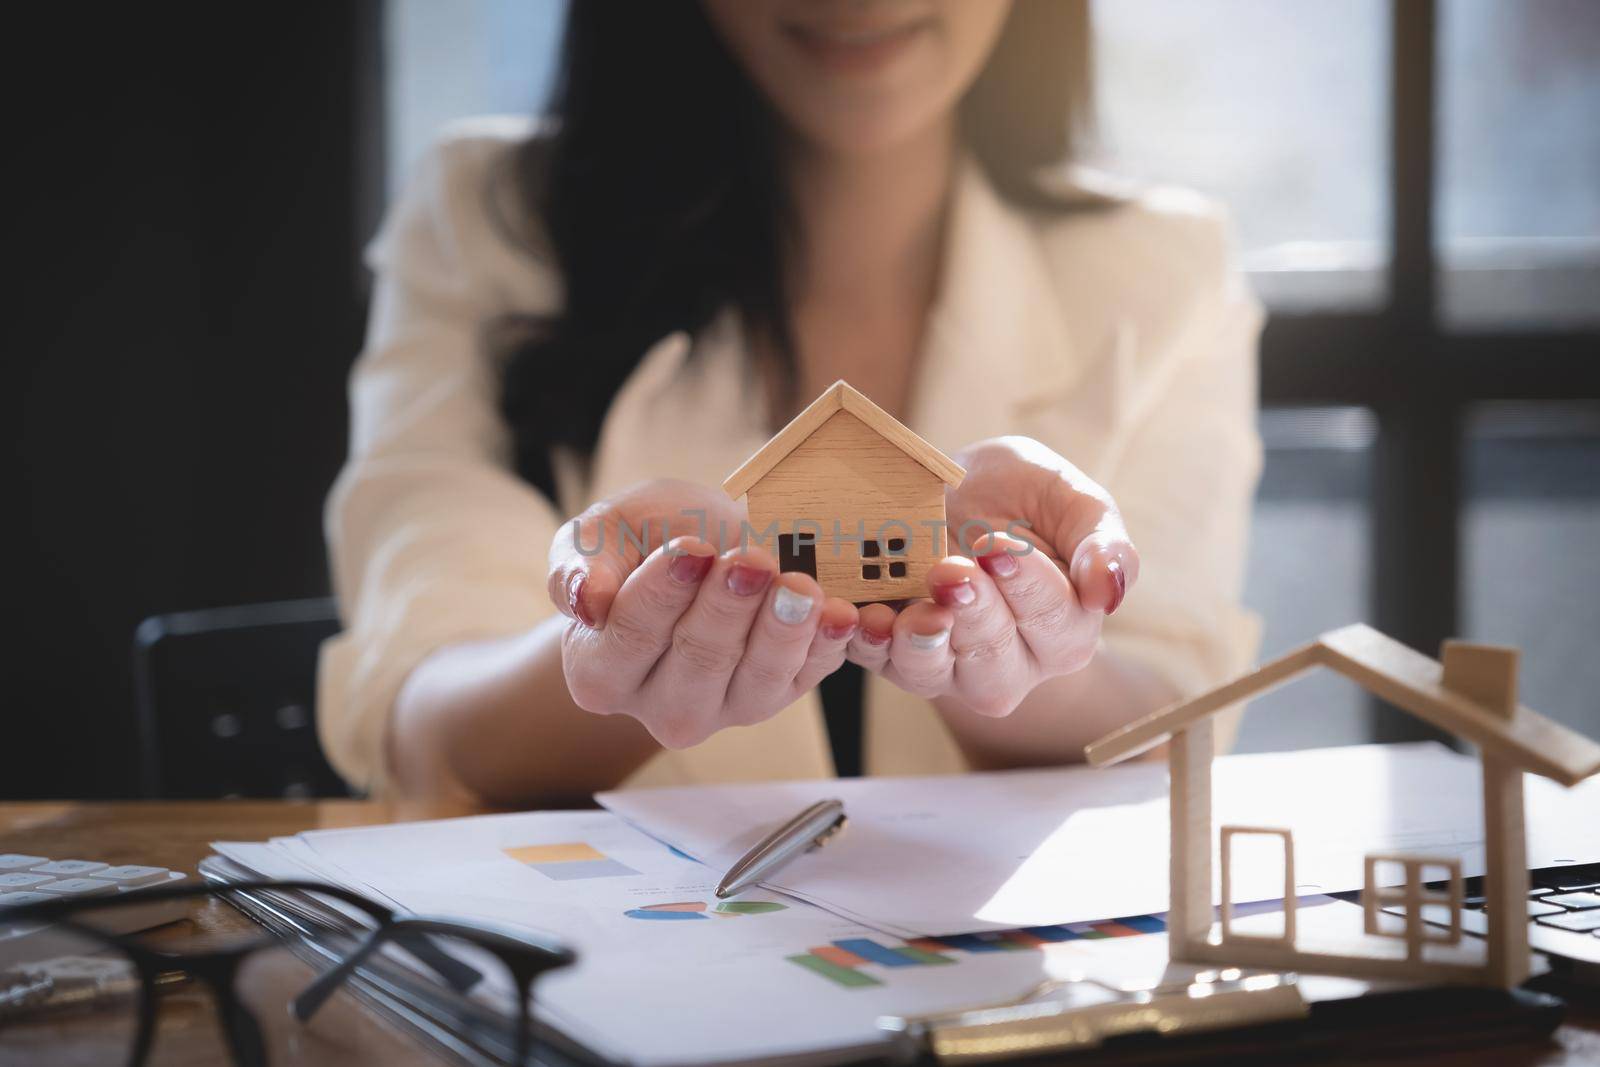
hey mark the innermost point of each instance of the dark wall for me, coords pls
(187, 219)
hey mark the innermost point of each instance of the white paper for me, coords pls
(648, 991)
(931, 856)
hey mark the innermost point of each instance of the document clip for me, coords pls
(1095, 1011)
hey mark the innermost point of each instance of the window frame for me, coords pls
(1420, 376)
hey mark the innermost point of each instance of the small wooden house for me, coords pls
(848, 495)
(1472, 694)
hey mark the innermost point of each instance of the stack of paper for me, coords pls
(931, 856)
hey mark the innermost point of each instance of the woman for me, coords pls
(741, 202)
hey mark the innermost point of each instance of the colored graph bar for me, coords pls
(923, 955)
(1023, 939)
(1111, 929)
(928, 944)
(979, 943)
(1145, 924)
(873, 952)
(1052, 934)
(837, 956)
(1086, 930)
(844, 976)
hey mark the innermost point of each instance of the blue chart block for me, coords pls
(1145, 924)
(974, 943)
(876, 953)
(1051, 933)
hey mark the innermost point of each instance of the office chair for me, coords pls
(226, 702)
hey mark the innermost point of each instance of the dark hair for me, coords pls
(659, 194)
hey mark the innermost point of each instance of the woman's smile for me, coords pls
(855, 46)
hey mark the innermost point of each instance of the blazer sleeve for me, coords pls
(433, 538)
(1185, 482)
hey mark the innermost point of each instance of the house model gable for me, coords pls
(848, 494)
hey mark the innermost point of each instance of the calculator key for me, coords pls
(1536, 908)
(71, 868)
(16, 900)
(131, 874)
(1575, 901)
(1581, 922)
(1569, 879)
(77, 887)
(17, 861)
(19, 880)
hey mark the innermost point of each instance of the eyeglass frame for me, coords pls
(525, 955)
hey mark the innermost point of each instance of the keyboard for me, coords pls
(25, 879)
(1563, 911)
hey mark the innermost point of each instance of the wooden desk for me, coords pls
(176, 835)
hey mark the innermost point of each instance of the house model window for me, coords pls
(852, 497)
(876, 551)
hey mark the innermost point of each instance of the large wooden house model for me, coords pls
(850, 496)
(1470, 692)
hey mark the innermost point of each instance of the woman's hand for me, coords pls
(681, 638)
(1031, 606)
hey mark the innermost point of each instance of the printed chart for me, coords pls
(844, 962)
(699, 909)
(569, 861)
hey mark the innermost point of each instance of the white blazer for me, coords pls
(1123, 338)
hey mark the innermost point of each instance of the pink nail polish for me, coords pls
(1120, 580)
(873, 637)
(1001, 564)
(744, 580)
(834, 631)
(951, 595)
(688, 569)
(575, 599)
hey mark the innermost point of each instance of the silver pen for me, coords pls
(810, 829)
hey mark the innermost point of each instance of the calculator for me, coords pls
(25, 879)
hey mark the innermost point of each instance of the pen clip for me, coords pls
(828, 834)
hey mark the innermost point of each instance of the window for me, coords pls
(1519, 163)
(894, 546)
(1277, 110)
(797, 553)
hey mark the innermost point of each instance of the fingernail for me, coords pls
(951, 595)
(791, 607)
(1001, 564)
(838, 631)
(748, 581)
(929, 642)
(1120, 580)
(873, 637)
(688, 569)
(575, 599)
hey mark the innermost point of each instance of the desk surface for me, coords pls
(176, 834)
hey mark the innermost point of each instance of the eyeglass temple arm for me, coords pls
(458, 975)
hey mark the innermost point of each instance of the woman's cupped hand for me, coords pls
(1014, 608)
(684, 638)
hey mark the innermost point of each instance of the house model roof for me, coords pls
(1472, 695)
(840, 397)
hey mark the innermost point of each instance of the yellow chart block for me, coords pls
(572, 852)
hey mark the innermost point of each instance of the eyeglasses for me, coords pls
(75, 989)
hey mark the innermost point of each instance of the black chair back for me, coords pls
(226, 701)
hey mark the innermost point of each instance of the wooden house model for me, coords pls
(850, 496)
(1472, 694)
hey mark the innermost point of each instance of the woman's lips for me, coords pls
(856, 50)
